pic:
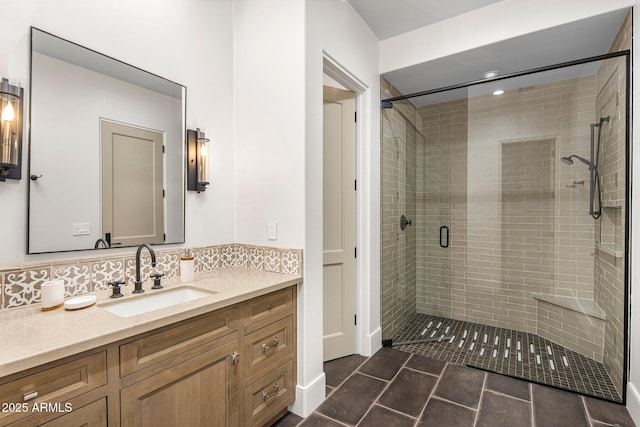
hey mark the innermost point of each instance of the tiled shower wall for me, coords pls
(398, 251)
(21, 286)
(503, 251)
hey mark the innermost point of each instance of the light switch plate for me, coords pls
(80, 229)
(272, 230)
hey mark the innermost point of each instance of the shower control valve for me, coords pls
(404, 222)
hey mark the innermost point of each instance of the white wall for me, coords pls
(269, 120)
(187, 41)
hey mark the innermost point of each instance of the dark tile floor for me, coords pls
(397, 389)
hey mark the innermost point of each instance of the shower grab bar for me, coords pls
(446, 244)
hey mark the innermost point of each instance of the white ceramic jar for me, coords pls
(187, 268)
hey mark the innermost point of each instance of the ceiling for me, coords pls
(388, 18)
(580, 39)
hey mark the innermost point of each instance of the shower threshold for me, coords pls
(507, 352)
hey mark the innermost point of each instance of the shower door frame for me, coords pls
(388, 103)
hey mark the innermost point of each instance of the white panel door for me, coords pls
(339, 229)
(132, 185)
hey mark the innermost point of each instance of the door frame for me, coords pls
(366, 344)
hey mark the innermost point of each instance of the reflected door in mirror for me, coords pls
(132, 184)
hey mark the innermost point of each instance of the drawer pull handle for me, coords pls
(30, 395)
(266, 347)
(235, 358)
(269, 306)
(266, 396)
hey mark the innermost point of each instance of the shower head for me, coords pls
(569, 160)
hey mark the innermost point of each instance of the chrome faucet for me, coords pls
(138, 288)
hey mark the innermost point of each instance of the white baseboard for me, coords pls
(309, 397)
(633, 402)
(373, 342)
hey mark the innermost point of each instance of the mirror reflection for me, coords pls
(106, 151)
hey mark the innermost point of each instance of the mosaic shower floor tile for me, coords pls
(508, 352)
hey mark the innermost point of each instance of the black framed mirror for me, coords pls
(106, 151)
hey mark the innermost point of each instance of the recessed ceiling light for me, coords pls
(490, 74)
(498, 92)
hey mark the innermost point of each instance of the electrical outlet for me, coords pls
(272, 230)
(80, 229)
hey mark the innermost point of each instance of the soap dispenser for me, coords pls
(187, 267)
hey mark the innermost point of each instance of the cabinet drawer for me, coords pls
(90, 415)
(155, 348)
(56, 385)
(269, 394)
(270, 307)
(270, 345)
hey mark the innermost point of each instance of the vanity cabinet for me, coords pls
(235, 366)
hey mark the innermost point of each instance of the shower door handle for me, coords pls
(444, 228)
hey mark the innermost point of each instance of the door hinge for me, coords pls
(163, 195)
(355, 117)
(355, 252)
(164, 237)
(355, 184)
(163, 149)
(355, 319)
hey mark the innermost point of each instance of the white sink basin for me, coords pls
(154, 300)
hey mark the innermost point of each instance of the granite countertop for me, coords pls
(30, 337)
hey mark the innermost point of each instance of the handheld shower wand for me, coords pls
(593, 168)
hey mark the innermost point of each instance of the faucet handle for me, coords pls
(116, 288)
(156, 280)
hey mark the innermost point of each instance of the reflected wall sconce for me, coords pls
(10, 130)
(197, 161)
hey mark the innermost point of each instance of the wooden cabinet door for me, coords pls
(203, 391)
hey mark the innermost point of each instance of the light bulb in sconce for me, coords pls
(10, 130)
(8, 114)
(204, 150)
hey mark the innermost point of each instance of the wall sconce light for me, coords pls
(10, 130)
(197, 161)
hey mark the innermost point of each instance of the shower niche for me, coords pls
(532, 186)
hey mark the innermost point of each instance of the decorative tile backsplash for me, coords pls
(21, 287)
